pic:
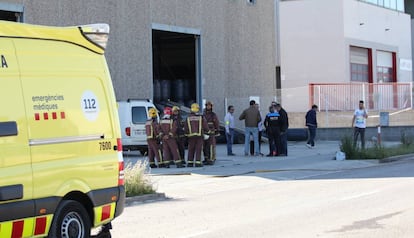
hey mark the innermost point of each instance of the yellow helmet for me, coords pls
(152, 112)
(175, 108)
(195, 107)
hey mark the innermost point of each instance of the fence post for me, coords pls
(379, 135)
(363, 93)
(411, 94)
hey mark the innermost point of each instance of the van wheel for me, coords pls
(70, 220)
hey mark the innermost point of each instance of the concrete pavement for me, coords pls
(300, 158)
(301, 163)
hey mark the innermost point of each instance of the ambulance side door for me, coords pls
(15, 161)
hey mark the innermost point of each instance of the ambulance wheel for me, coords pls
(70, 220)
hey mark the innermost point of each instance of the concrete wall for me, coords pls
(312, 48)
(237, 40)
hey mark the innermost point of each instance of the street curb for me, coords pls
(396, 158)
(155, 197)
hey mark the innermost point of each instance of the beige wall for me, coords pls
(312, 48)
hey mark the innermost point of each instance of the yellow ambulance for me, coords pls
(61, 165)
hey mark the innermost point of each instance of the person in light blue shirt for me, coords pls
(229, 125)
(359, 122)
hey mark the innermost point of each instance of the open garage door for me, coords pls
(175, 71)
(11, 12)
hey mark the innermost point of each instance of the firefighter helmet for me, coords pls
(195, 107)
(152, 112)
(167, 111)
(175, 108)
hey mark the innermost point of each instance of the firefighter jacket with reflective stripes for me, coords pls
(196, 125)
(168, 127)
(212, 121)
(152, 128)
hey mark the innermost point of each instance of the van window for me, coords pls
(139, 115)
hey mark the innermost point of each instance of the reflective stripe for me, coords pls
(40, 226)
(17, 229)
(29, 227)
(199, 127)
(57, 140)
(104, 213)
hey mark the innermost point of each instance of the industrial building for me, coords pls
(231, 51)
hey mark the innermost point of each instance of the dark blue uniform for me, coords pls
(272, 124)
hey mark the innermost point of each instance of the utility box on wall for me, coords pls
(384, 118)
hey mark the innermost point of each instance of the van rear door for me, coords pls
(138, 118)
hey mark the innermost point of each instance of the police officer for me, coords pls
(168, 128)
(272, 124)
(176, 116)
(152, 130)
(209, 148)
(195, 128)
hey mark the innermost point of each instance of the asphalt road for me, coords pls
(368, 202)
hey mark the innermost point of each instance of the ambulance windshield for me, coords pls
(97, 33)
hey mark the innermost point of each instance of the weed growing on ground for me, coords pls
(137, 181)
(375, 150)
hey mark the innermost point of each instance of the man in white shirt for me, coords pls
(359, 122)
(229, 123)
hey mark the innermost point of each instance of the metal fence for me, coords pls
(377, 96)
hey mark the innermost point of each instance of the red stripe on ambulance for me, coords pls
(46, 116)
(106, 212)
(40, 227)
(17, 231)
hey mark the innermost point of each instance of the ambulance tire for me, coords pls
(70, 220)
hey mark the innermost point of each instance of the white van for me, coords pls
(133, 114)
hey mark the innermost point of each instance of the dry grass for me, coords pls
(137, 181)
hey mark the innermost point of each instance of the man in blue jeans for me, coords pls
(251, 117)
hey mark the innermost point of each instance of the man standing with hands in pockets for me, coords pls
(359, 122)
(251, 117)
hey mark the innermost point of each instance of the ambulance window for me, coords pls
(139, 115)
(8, 128)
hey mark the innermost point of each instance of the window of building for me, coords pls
(361, 63)
(391, 4)
(385, 67)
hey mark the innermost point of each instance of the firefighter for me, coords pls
(153, 130)
(195, 128)
(209, 148)
(168, 128)
(176, 116)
